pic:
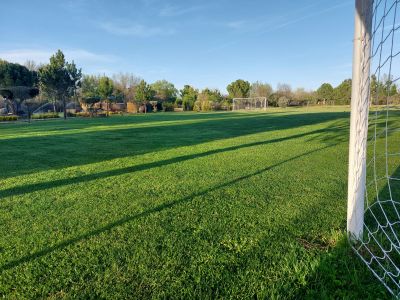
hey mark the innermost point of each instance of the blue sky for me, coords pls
(202, 43)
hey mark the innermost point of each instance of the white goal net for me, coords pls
(254, 103)
(374, 162)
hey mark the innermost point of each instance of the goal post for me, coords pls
(373, 204)
(360, 100)
(252, 103)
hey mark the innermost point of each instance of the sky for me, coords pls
(202, 43)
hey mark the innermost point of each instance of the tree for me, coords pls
(90, 102)
(60, 79)
(90, 86)
(259, 89)
(214, 95)
(325, 92)
(374, 85)
(105, 90)
(144, 93)
(390, 88)
(239, 89)
(382, 88)
(202, 103)
(189, 97)
(16, 75)
(393, 90)
(17, 94)
(208, 100)
(32, 66)
(164, 90)
(284, 89)
(302, 96)
(125, 85)
(75, 82)
(342, 93)
(283, 102)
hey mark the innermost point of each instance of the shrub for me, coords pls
(206, 105)
(116, 113)
(71, 114)
(216, 106)
(50, 115)
(226, 105)
(8, 118)
(203, 105)
(86, 114)
(142, 109)
(197, 106)
(167, 106)
(83, 114)
(283, 102)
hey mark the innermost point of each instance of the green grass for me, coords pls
(184, 205)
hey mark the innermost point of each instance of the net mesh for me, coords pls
(254, 103)
(379, 247)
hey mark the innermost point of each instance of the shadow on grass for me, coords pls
(65, 127)
(27, 155)
(156, 209)
(29, 188)
(379, 249)
(37, 126)
(71, 126)
(340, 273)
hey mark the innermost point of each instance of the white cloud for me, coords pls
(149, 2)
(174, 11)
(159, 71)
(263, 27)
(132, 29)
(22, 55)
(81, 54)
(74, 5)
(307, 16)
(43, 55)
(236, 24)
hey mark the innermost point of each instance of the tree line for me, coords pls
(63, 82)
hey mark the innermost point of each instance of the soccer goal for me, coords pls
(255, 103)
(373, 215)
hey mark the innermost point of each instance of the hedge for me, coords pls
(8, 118)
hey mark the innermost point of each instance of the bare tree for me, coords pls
(31, 65)
(260, 89)
(303, 97)
(126, 83)
(284, 89)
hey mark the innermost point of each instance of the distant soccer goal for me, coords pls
(373, 214)
(255, 103)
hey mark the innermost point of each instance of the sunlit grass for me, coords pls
(219, 205)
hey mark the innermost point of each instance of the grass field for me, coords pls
(184, 205)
